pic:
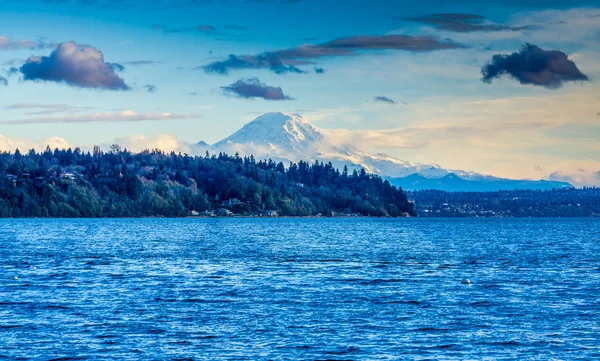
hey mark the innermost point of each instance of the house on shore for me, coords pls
(270, 213)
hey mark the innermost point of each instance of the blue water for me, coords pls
(300, 289)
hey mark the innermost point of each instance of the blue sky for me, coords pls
(517, 125)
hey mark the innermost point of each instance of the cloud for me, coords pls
(10, 144)
(13, 62)
(3, 81)
(164, 142)
(123, 116)
(75, 65)
(198, 28)
(375, 139)
(141, 62)
(41, 109)
(222, 34)
(578, 178)
(11, 71)
(284, 61)
(462, 23)
(150, 88)
(253, 88)
(319, 70)
(383, 99)
(262, 61)
(535, 66)
(8, 44)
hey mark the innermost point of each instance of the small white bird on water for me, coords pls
(466, 281)
(16, 278)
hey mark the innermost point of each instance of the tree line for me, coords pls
(119, 183)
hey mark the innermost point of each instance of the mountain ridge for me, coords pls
(289, 137)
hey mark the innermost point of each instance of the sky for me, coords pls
(501, 87)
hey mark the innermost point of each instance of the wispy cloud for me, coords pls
(253, 88)
(150, 88)
(462, 23)
(204, 28)
(384, 99)
(124, 116)
(141, 62)
(225, 33)
(9, 44)
(285, 61)
(45, 109)
(261, 61)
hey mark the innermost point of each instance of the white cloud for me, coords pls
(578, 177)
(10, 144)
(164, 142)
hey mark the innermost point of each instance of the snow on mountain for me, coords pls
(282, 134)
(290, 137)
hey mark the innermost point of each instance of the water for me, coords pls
(300, 289)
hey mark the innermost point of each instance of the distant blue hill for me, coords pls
(454, 183)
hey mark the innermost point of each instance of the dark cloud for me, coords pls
(150, 88)
(284, 61)
(262, 61)
(253, 88)
(383, 99)
(116, 67)
(535, 66)
(461, 23)
(3, 81)
(78, 66)
(319, 70)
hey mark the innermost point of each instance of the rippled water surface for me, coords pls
(300, 289)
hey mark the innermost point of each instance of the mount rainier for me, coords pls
(291, 138)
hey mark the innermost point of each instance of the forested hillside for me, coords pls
(118, 183)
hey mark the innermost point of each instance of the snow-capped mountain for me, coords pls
(290, 137)
(282, 133)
